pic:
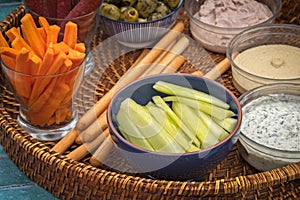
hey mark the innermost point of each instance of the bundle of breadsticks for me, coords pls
(91, 130)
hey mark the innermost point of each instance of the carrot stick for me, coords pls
(51, 121)
(76, 57)
(22, 83)
(58, 116)
(25, 37)
(61, 46)
(51, 105)
(10, 52)
(40, 83)
(70, 34)
(12, 33)
(34, 38)
(44, 23)
(57, 63)
(52, 34)
(40, 100)
(62, 114)
(22, 61)
(66, 66)
(33, 64)
(3, 42)
(47, 60)
(19, 43)
(80, 47)
(9, 61)
(42, 32)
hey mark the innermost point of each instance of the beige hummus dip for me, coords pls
(267, 64)
(275, 61)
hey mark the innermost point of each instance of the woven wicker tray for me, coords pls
(233, 178)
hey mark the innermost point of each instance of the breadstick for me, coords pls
(176, 50)
(65, 142)
(197, 73)
(84, 149)
(159, 59)
(219, 69)
(174, 65)
(131, 75)
(93, 130)
(102, 151)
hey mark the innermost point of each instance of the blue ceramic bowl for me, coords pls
(139, 34)
(187, 166)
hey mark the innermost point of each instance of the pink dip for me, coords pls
(226, 14)
(233, 13)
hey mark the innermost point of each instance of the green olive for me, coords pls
(154, 16)
(162, 9)
(171, 3)
(130, 15)
(146, 7)
(128, 2)
(102, 7)
(111, 11)
(122, 9)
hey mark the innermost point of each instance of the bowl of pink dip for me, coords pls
(214, 23)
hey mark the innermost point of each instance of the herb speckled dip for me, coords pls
(270, 130)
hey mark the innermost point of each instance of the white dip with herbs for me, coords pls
(273, 121)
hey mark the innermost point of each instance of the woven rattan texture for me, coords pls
(68, 179)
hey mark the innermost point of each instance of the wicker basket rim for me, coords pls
(41, 151)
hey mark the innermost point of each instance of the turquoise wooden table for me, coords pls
(14, 184)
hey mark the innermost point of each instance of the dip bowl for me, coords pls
(216, 37)
(172, 166)
(269, 135)
(141, 34)
(277, 60)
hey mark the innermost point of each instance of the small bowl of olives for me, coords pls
(138, 23)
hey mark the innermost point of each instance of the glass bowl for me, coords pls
(269, 136)
(216, 37)
(277, 60)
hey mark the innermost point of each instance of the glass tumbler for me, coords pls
(46, 101)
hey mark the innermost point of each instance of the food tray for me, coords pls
(233, 178)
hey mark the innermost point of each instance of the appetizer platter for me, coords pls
(70, 169)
